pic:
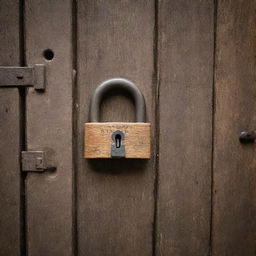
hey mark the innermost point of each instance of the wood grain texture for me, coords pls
(115, 196)
(10, 177)
(98, 139)
(234, 208)
(186, 42)
(48, 25)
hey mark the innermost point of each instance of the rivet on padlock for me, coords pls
(117, 139)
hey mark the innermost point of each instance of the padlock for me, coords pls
(117, 139)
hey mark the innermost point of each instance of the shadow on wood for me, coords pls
(118, 166)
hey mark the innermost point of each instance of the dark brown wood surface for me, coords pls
(195, 63)
(115, 204)
(10, 176)
(49, 195)
(234, 208)
(186, 43)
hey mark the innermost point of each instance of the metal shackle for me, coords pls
(122, 84)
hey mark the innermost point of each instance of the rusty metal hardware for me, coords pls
(247, 136)
(23, 77)
(34, 161)
(121, 84)
(117, 148)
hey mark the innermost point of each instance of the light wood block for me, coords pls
(98, 139)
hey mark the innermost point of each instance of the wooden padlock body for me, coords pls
(98, 139)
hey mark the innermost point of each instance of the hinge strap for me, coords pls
(23, 77)
(34, 161)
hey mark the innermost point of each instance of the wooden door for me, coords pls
(194, 61)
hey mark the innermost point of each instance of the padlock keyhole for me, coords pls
(118, 139)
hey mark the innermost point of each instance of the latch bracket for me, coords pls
(34, 161)
(23, 77)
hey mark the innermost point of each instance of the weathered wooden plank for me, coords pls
(48, 25)
(186, 43)
(10, 178)
(234, 208)
(115, 197)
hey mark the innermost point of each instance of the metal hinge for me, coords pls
(34, 161)
(23, 77)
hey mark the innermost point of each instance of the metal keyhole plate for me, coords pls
(117, 149)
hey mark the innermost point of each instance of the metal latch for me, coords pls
(248, 136)
(23, 77)
(34, 161)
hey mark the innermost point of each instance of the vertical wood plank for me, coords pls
(234, 211)
(10, 177)
(48, 25)
(186, 44)
(115, 197)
